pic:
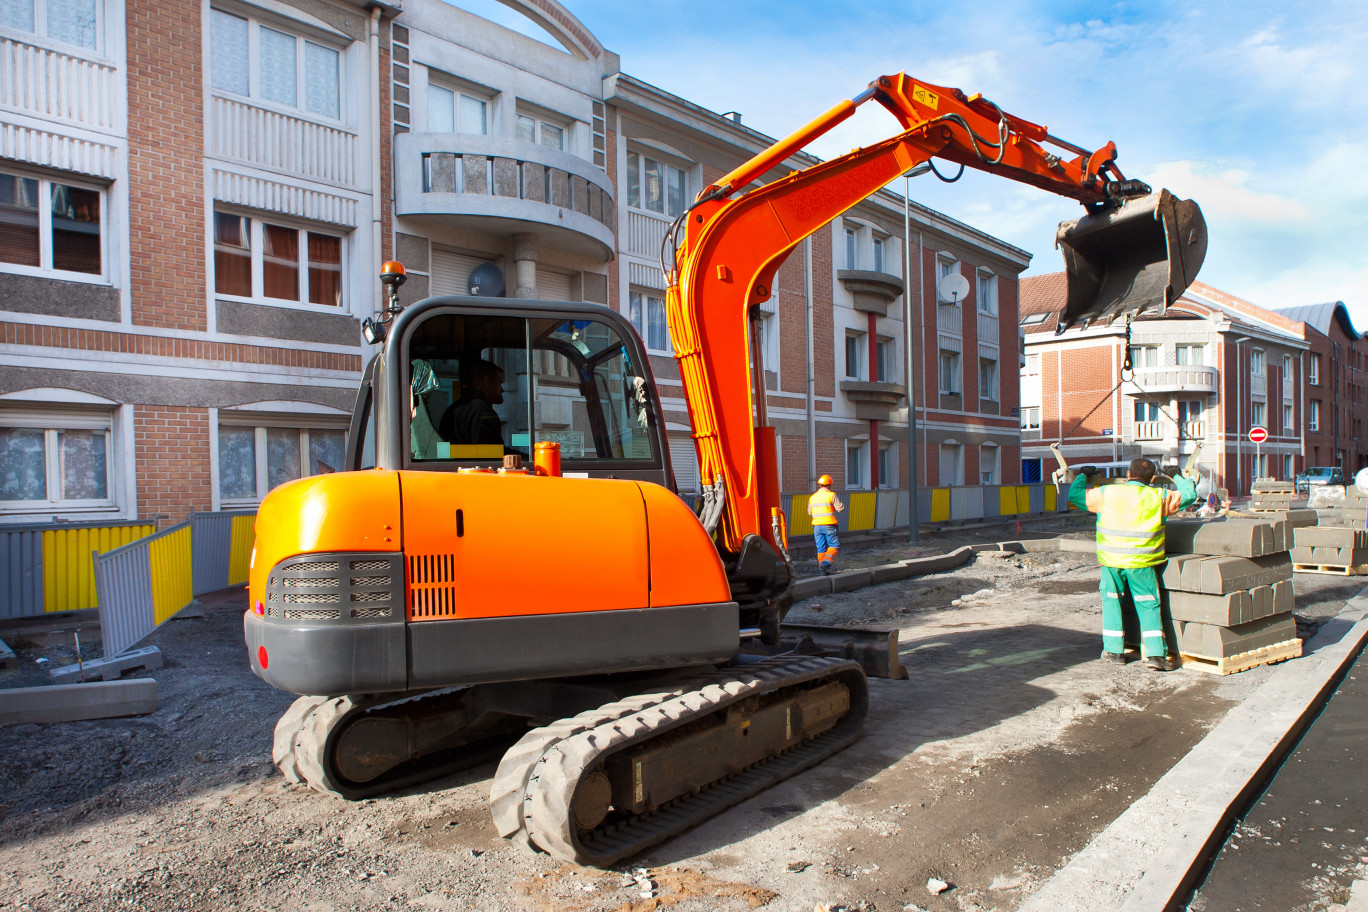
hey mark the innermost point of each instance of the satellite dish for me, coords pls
(1361, 480)
(487, 281)
(952, 289)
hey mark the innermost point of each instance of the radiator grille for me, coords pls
(364, 565)
(312, 598)
(432, 587)
(312, 567)
(362, 613)
(315, 590)
(312, 614)
(370, 596)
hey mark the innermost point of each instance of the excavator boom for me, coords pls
(1134, 250)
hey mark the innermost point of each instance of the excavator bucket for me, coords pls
(1138, 256)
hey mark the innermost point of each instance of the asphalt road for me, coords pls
(1303, 843)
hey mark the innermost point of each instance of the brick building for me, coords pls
(1211, 368)
(195, 199)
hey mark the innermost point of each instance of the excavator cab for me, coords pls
(1136, 254)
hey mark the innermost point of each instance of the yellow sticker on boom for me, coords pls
(925, 97)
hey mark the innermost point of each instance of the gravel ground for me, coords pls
(1008, 748)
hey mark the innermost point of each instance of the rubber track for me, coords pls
(539, 776)
(286, 729)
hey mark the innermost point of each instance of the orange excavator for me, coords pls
(503, 568)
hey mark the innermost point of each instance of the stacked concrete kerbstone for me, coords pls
(1228, 587)
(1354, 513)
(1331, 549)
(1269, 495)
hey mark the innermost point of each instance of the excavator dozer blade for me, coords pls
(1139, 256)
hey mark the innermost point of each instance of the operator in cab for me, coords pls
(471, 419)
(1130, 544)
(823, 507)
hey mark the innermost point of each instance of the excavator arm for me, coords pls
(1133, 250)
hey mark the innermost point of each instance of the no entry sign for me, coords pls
(1258, 435)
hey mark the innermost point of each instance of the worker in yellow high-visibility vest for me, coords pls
(823, 507)
(1130, 544)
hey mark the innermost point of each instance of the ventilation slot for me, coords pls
(312, 614)
(432, 586)
(362, 613)
(312, 598)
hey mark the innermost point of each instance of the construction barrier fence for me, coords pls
(866, 510)
(47, 568)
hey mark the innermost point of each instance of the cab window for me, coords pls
(484, 386)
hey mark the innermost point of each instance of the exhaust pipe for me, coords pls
(1137, 257)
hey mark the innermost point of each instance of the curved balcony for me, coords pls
(874, 400)
(503, 186)
(872, 291)
(1179, 379)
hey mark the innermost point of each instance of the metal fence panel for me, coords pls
(992, 500)
(21, 573)
(1037, 498)
(211, 536)
(959, 503)
(799, 521)
(240, 551)
(862, 510)
(975, 501)
(124, 581)
(904, 507)
(68, 573)
(940, 505)
(886, 511)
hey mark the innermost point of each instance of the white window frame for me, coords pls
(993, 454)
(304, 423)
(857, 450)
(856, 344)
(951, 384)
(1314, 370)
(641, 304)
(888, 465)
(52, 422)
(634, 180)
(1032, 364)
(45, 269)
(986, 292)
(989, 387)
(1145, 353)
(540, 121)
(1030, 418)
(1256, 361)
(1151, 408)
(258, 295)
(254, 78)
(885, 367)
(852, 247)
(1288, 471)
(880, 249)
(1184, 355)
(458, 91)
(1313, 416)
(1289, 419)
(1258, 414)
(40, 34)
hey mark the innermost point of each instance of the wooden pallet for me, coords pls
(1243, 661)
(1335, 569)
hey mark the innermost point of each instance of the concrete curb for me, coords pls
(72, 702)
(1150, 856)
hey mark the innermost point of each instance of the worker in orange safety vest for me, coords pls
(823, 507)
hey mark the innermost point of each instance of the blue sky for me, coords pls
(1258, 110)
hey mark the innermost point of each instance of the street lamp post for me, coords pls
(913, 505)
(1239, 428)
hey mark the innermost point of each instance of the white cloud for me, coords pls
(1226, 193)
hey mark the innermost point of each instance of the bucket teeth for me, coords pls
(1136, 257)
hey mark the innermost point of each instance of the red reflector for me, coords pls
(261, 656)
(260, 609)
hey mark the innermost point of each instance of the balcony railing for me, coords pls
(468, 179)
(1192, 430)
(1149, 430)
(282, 142)
(1175, 379)
(51, 84)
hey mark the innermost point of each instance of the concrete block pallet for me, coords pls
(1228, 588)
(1339, 550)
(1354, 513)
(1269, 495)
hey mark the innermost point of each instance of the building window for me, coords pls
(1257, 414)
(1315, 372)
(883, 351)
(1032, 365)
(1146, 411)
(50, 227)
(647, 313)
(49, 465)
(887, 466)
(1287, 471)
(851, 249)
(950, 372)
(254, 459)
(945, 266)
(258, 259)
(878, 254)
(987, 293)
(655, 186)
(1287, 421)
(256, 61)
(1030, 471)
(988, 465)
(1287, 364)
(854, 355)
(951, 464)
(988, 379)
(855, 461)
(1190, 410)
(453, 111)
(1191, 355)
(1144, 356)
(1256, 361)
(542, 132)
(1030, 418)
(68, 21)
(1313, 419)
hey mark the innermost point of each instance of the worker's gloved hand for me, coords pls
(1089, 471)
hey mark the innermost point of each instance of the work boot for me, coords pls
(825, 567)
(1115, 658)
(1161, 663)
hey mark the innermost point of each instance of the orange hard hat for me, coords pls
(824, 480)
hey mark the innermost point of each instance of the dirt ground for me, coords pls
(1006, 751)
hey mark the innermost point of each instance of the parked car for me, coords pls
(1319, 475)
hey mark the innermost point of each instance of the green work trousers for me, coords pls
(1143, 585)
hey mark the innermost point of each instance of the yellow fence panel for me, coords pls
(940, 504)
(1007, 500)
(863, 505)
(1050, 498)
(240, 551)
(800, 523)
(68, 571)
(173, 583)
